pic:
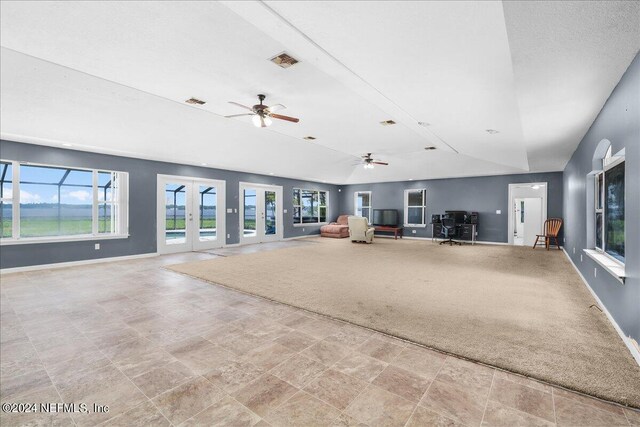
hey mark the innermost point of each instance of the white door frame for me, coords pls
(260, 238)
(543, 195)
(192, 242)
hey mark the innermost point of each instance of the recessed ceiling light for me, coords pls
(387, 122)
(535, 187)
(66, 144)
(492, 131)
(410, 179)
(203, 164)
(430, 147)
(284, 60)
(195, 101)
(309, 138)
(270, 173)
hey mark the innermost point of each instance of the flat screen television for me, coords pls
(388, 217)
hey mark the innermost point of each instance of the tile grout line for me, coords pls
(427, 391)
(45, 368)
(486, 405)
(553, 402)
(129, 379)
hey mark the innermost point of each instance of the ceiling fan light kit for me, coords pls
(262, 114)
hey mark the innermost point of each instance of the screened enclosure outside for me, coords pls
(176, 213)
(309, 206)
(60, 201)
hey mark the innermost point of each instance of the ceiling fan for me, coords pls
(369, 162)
(262, 114)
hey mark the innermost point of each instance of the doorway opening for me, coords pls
(260, 213)
(191, 214)
(527, 212)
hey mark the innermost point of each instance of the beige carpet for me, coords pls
(511, 307)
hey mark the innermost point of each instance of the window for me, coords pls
(614, 211)
(309, 206)
(415, 204)
(363, 204)
(56, 202)
(609, 207)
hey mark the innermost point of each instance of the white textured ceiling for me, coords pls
(113, 76)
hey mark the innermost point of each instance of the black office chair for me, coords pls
(449, 230)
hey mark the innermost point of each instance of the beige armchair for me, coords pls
(359, 230)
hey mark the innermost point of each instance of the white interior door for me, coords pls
(532, 219)
(190, 214)
(260, 213)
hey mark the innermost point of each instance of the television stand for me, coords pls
(397, 231)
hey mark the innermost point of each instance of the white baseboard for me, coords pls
(627, 341)
(74, 263)
(437, 239)
(301, 237)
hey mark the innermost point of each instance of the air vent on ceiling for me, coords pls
(431, 147)
(284, 60)
(492, 131)
(387, 123)
(195, 101)
(310, 138)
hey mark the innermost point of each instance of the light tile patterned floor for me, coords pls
(160, 348)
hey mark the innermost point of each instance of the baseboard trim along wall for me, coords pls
(437, 239)
(4, 271)
(627, 341)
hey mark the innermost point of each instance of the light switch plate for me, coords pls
(498, 212)
(97, 246)
(229, 210)
(285, 211)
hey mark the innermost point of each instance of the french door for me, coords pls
(191, 214)
(260, 213)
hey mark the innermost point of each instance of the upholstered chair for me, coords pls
(359, 230)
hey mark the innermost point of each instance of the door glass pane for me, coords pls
(269, 213)
(249, 227)
(176, 226)
(208, 212)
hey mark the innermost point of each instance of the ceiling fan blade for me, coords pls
(380, 163)
(241, 106)
(287, 118)
(277, 107)
(239, 115)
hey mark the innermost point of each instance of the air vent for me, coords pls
(492, 131)
(430, 148)
(284, 60)
(425, 124)
(387, 123)
(309, 138)
(195, 101)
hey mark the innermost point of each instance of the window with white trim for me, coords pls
(415, 207)
(362, 202)
(310, 206)
(609, 207)
(52, 202)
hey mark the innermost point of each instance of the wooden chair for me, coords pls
(551, 229)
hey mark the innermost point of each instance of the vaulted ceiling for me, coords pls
(112, 77)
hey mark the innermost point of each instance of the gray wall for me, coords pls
(619, 122)
(484, 195)
(142, 203)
